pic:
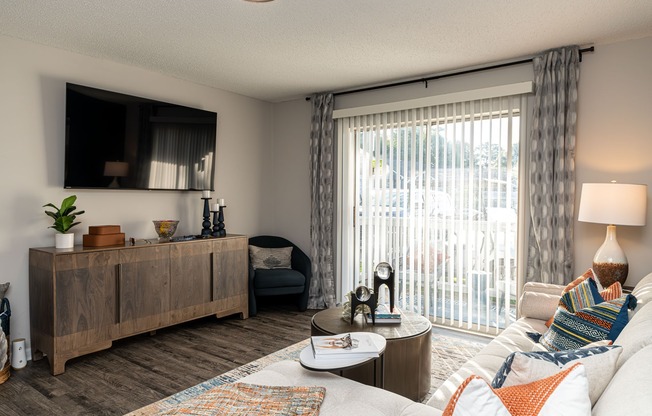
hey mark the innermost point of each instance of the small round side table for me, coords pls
(308, 361)
(408, 354)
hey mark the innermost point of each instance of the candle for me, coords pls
(206, 194)
(221, 202)
(216, 207)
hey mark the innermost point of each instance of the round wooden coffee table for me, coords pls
(407, 354)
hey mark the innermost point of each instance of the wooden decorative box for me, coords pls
(103, 240)
(103, 236)
(103, 229)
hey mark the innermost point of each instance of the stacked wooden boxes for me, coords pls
(103, 236)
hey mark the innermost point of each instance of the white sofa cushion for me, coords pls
(643, 293)
(636, 334)
(628, 390)
(343, 396)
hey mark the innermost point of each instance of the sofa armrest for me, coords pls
(548, 288)
(538, 305)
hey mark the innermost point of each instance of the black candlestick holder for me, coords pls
(221, 231)
(206, 224)
(216, 229)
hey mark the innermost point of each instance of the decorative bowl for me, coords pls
(165, 228)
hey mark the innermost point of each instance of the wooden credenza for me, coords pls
(82, 299)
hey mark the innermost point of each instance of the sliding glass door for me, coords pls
(435, 193)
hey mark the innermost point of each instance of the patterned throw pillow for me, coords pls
(587, 274)
(526, 367)
(612, 292)
(270, 258)
(570, 331)
(584, 295)
(565, 393)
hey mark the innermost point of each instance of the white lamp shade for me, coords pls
(613, 203)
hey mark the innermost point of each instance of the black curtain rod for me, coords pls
(451, 74)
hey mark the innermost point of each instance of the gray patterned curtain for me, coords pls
(552, 166)
(322, 159)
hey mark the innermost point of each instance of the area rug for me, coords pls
(449, 352)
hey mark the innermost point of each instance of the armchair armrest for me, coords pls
(301, 262)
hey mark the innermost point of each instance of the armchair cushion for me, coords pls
(279, 278)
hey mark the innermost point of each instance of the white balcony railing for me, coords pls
(456, 272)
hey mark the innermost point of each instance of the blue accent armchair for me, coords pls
(274, 282)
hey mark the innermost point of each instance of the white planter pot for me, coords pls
(64, 240)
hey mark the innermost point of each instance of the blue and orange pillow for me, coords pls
(612, 292)
(604, 320)
(584, 315)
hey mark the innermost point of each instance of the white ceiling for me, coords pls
(286, 49)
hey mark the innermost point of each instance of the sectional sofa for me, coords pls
(628, 391)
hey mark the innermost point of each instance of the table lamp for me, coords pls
(612, 204)
(117, 170)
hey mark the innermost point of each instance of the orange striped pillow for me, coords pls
(612, 292)
(587, 274)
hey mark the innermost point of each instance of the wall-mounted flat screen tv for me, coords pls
(120, 141)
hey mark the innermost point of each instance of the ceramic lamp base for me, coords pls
(610, 262)
(610, 273)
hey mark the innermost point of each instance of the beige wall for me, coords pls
(290, 175)
(614, 142)
(32, 85)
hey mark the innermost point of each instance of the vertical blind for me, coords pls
(434, 191)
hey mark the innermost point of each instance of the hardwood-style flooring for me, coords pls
(140, 370)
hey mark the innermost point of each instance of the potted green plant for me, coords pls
(64, 219)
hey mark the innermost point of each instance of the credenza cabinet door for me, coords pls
(144, 289)
(191, 282)
(85, 299)
(230, 268)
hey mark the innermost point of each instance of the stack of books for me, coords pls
(384, 315)
(343, 346)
